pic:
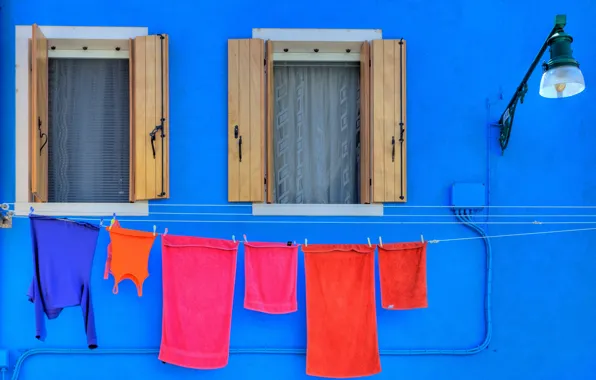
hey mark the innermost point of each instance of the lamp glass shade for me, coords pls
(562, 82)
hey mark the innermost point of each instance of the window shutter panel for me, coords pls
(365, 157)
(270, 121)
(246, 120)
(150, 120)
(389, 120)
(39, 116)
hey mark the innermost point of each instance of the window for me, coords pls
(88, 137)
(316, 122)
(98, 120)
(315, 132)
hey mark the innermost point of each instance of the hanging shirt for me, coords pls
(63, 253)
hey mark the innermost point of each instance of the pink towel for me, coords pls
(198, 289)
(270, 277)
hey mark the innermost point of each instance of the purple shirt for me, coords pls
(63, 253)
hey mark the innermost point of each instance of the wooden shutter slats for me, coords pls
(39, 132)
(365, 157)
(246, 101)
(270, 121)
(149, 101)
(389, 164)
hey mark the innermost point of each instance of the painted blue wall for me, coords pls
(461, 54)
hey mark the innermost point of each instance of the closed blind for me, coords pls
(89, 131)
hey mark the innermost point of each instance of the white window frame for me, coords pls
(101, 43)
(320, 35)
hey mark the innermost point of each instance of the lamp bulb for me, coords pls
(560, 87)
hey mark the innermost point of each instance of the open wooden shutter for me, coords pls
(270, 122)
(246, 120)
(365, 157)
(389, 120)
(39, 116)
(150, 118)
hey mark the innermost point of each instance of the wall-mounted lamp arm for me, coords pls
(506, 120)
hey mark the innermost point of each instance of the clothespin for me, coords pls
(165, 232)
(370, 245)
(30, 211)
(154, 230)
(305, 243)
(380, 242)
(233, 238)
(244, 236)
(112, 221)
(422, 238)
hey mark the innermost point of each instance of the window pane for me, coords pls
(315, 133)
(89, 130)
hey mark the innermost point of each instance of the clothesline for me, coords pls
(386, 206)
(286, 221)
(382, 216)
(433, 241)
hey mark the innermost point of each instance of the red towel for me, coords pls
(402, 267)
(341, 319)
(198, 289)
(270, 277)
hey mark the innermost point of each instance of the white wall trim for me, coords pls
(263, 209)
(83, 209)
(319, 57)
(88, 54)
(318, 35)
(332, 35)
(22, 35)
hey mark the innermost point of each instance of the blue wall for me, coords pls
(460, 56)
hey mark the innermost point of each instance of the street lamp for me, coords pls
(561, 78)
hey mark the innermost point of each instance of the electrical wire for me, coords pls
(160, 204)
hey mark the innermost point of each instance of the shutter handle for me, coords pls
(41, 135)
(236, 133)
(240, 148)
(393, 149)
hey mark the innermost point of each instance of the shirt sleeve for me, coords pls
(89, 316)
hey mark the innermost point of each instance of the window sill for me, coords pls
(83, 209)
(260, 209)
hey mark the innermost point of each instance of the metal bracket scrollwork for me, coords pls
(5, 216)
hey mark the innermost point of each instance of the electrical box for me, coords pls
(3, 359)
(470, 196)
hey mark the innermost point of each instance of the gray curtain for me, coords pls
(89, 133)
(316, 132)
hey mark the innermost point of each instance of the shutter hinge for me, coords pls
(265, 62)
(265, 180)
(369, 63)
(370, 181)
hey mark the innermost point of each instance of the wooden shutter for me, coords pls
(365, 156)
(270, 122)
(246, 120)
(39, 116)
(150, 115)
(389, 120)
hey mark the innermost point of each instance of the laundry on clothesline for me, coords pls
(198, 292)
(402, 270)
(63, 252)
(270, 275)
(199, 281)
(128, 256)
(340, 311)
